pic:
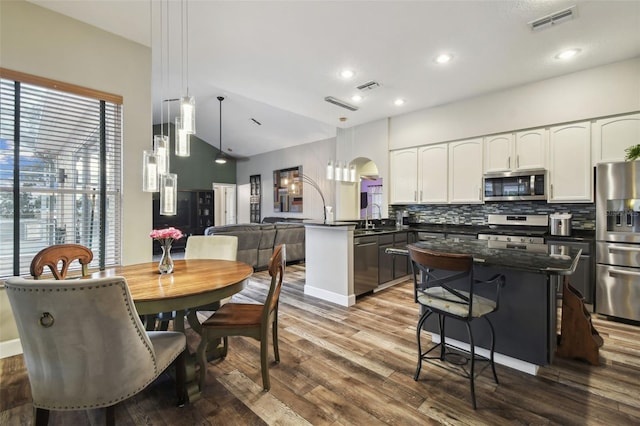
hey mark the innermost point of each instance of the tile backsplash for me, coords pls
(584, 214)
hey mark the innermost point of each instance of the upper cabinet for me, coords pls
(433, 167)
(524, 150)
(498, 150)
(531, 148)
(437, 174)
(570, 170)
(611, 136)
(465, 171)
(403, 168)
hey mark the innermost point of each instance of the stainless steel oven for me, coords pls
(618, 240)
(520, 232)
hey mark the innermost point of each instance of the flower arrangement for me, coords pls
(166, 236)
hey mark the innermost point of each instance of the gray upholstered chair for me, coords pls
(444, 285)
(85, 347)
(58, 258)
(250, 320)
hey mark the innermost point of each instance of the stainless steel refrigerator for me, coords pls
(618, 240)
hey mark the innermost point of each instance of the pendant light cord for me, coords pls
(220, 98)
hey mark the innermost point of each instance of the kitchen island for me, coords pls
(526, 323)
(334, 267)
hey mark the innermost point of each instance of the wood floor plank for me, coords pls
(264, 404)
(354, 366)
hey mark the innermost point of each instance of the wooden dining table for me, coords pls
(193, 283)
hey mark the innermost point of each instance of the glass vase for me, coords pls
(166, 263)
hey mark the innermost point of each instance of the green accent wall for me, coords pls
(198, 171)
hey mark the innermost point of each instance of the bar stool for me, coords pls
(444, 284)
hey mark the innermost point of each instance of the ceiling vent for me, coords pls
(370, 85)
(340, 103)
(553, 19)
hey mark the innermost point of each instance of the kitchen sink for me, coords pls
(371, 231)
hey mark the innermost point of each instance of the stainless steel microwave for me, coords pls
(515, 186)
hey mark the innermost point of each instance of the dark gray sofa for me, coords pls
(256, 241)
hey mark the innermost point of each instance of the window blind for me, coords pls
(60, 174)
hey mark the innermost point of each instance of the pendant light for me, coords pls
(220, 157)
(187, 102)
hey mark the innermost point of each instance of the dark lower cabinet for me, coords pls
(365, 264)
(385, 264)
(400, 263)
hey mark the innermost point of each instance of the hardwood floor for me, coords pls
(354, 366)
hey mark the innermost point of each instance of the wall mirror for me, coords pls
(287, 190)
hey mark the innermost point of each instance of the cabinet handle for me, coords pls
(479, 194)
(551, 191)
(420, 195)
(517, 161)
(415, 195)
(508, 162)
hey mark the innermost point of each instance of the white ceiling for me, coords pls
(276, 61)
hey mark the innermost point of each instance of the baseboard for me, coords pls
(10, 348)
(329, 296)
(516, 364)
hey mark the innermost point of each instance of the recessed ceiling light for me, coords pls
(399, 102)
(567, 54)
(443, 58)
(356, 98)
(346, 73)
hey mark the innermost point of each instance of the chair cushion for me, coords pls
(442, 300)
(236, 315)
(167, 345)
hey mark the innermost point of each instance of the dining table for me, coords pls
(193, 283)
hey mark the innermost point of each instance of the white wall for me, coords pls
(312, 157)
(370, 140)
(606, 90)
(37, 41)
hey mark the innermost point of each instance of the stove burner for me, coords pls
(518, 229)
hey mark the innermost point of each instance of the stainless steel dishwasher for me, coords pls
(365, 264)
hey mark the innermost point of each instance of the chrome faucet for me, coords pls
(367, 224)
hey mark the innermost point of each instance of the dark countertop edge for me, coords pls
(328, 224)
(576, 235)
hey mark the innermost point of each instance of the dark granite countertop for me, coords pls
(522, 260)
(576, 234)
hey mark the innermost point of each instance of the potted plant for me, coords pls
(633, 153)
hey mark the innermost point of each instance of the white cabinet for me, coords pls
(524, 150)
(403, 168)
(611, 136)
(465, 171)
(433, 170)
(497, 153)
(570, 170)
(530, 148)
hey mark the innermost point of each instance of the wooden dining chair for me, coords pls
(444, 285)
(250, 320)
(85, 347)
(58, 258)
